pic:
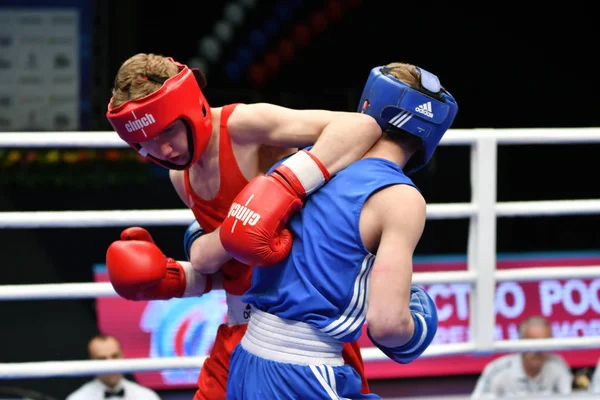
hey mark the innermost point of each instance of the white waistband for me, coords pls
(238, 312)
(287, 341)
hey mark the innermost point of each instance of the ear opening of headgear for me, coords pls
(180, 97)
(427, 114)
(200, 78)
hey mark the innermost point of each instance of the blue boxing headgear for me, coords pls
(393, 102)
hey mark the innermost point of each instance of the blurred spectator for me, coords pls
(526, 373)
(110, 386)
(582, 379)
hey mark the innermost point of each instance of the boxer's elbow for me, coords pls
(207, 254)
(366, 126)
(390, 329)
(202, 265)
(201, 260)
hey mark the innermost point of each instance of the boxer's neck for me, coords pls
(391, 151)
(212, 148)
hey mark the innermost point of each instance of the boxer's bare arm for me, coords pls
(397, 220)
(217, 280)
(339, 138)
(207, 254)
(195, 282)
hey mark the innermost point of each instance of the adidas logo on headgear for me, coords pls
(425, 109)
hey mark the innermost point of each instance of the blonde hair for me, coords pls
(140, 76)
(408, 74)
(404, 72)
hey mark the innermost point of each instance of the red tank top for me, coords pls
(211, 213)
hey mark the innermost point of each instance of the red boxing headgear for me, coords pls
(180, 97)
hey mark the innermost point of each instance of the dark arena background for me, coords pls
(511, 68)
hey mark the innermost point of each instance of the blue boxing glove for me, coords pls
(424, 313)
(193, 232)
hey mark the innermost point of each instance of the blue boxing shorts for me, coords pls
(284, 359)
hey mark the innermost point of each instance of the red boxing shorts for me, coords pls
(212, 382)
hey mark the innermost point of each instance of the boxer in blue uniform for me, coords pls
(351, 259)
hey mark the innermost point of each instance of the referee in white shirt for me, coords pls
(527, 373)
(112, 386)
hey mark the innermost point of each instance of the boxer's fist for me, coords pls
(424, 314)
(138, 270)
(254, 230)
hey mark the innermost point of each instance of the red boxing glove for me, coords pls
(136, 233)
(254, 230)
(138, 269)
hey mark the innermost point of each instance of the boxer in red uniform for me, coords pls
(158, 108)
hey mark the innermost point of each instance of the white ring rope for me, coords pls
(531, 274)
(57, 291)
(62, 139)
(48, 369)
(122, 218)
(92, 290)
(484, 143)
(463, 137)
(571, 343)
(98, 219)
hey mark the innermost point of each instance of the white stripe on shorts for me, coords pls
(321, 379)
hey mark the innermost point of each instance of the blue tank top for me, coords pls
(324, 280)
